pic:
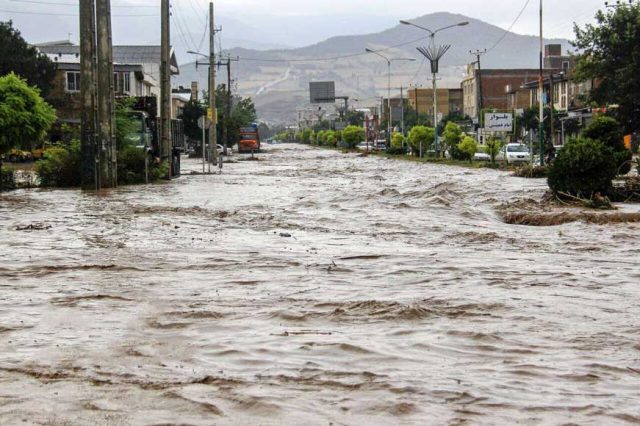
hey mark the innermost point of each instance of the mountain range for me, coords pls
(277, 79)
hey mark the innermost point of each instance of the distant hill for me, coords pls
(278, 79)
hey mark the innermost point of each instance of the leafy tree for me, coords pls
(191, 112)
(330, 138)
(468, 147)
(321, 137)
(355, 118)
(24, 116)
(243, 113)
(452, 134)
(397, 144)
(611, 55)
(412, 119)
(17, 56)
(397, 140)
(125, 124)
(421, 135)
(608, 131)
(583, 168)
(306, 135)
(492, 147)
(352, 136)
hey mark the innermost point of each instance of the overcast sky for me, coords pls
(40, 21)
(559, 14)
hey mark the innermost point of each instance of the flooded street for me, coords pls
(314, 288)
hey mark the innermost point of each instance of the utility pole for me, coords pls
(541, 90)
(165, 89)
(227, 114)
(90, 160)
(478, 53)
(213, 131)
(402, 109)
(108, 154)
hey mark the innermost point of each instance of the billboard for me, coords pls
(498, 122)
(322, 92)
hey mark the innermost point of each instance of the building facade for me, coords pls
(502, 89)
(136, 73)
(448, 101)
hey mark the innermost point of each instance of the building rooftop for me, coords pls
(121, 54)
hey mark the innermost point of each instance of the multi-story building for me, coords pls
(501, 89)
(136, 72)
(448, 100)
(510, 89)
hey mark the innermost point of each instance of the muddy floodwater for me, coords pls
(314, 288)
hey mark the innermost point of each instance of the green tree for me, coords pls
(397, 144)
(583, 168)
(191, 112)
(321, 138)
(24, 116)
(468, 147)
(611, 55)
(452, 134)
(354, 118)
(17, 56)
(352, 136)
(421, 135)
(412, 119)
(306, 135)
(492, 147)
(330, 138)
(608, 131)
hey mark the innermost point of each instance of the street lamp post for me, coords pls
(434, 54)
(389, 61)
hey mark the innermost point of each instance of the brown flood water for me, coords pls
(314, 288)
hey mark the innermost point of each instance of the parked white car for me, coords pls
(481, 156)
(515, 153)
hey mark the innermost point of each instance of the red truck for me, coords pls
(249, 140)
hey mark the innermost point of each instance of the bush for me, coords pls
(352, 136)
(7, 178)
(609, 132)
(330, 138)
(60, 166)
(468, 147)
(397, 145)
(583, 168)
(528, 171)
(421, 134)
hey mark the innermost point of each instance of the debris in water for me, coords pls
(37, 226)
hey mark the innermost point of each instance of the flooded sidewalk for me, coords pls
(314, 287)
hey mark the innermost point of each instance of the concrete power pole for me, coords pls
(165, 89)
(106, 113)
(213, 131)
(90, 159)
(478, 54)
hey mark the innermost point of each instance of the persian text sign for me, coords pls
(498, 122)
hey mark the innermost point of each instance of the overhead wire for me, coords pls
(508, 30)
(57, 3)
(20, 12)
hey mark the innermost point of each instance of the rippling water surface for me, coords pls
(314, 288)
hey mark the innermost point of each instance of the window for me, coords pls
(73, 81)
(126, 80)
(121, 82)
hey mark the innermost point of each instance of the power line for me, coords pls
(508, 30)
(76, 4)
(71, 14)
